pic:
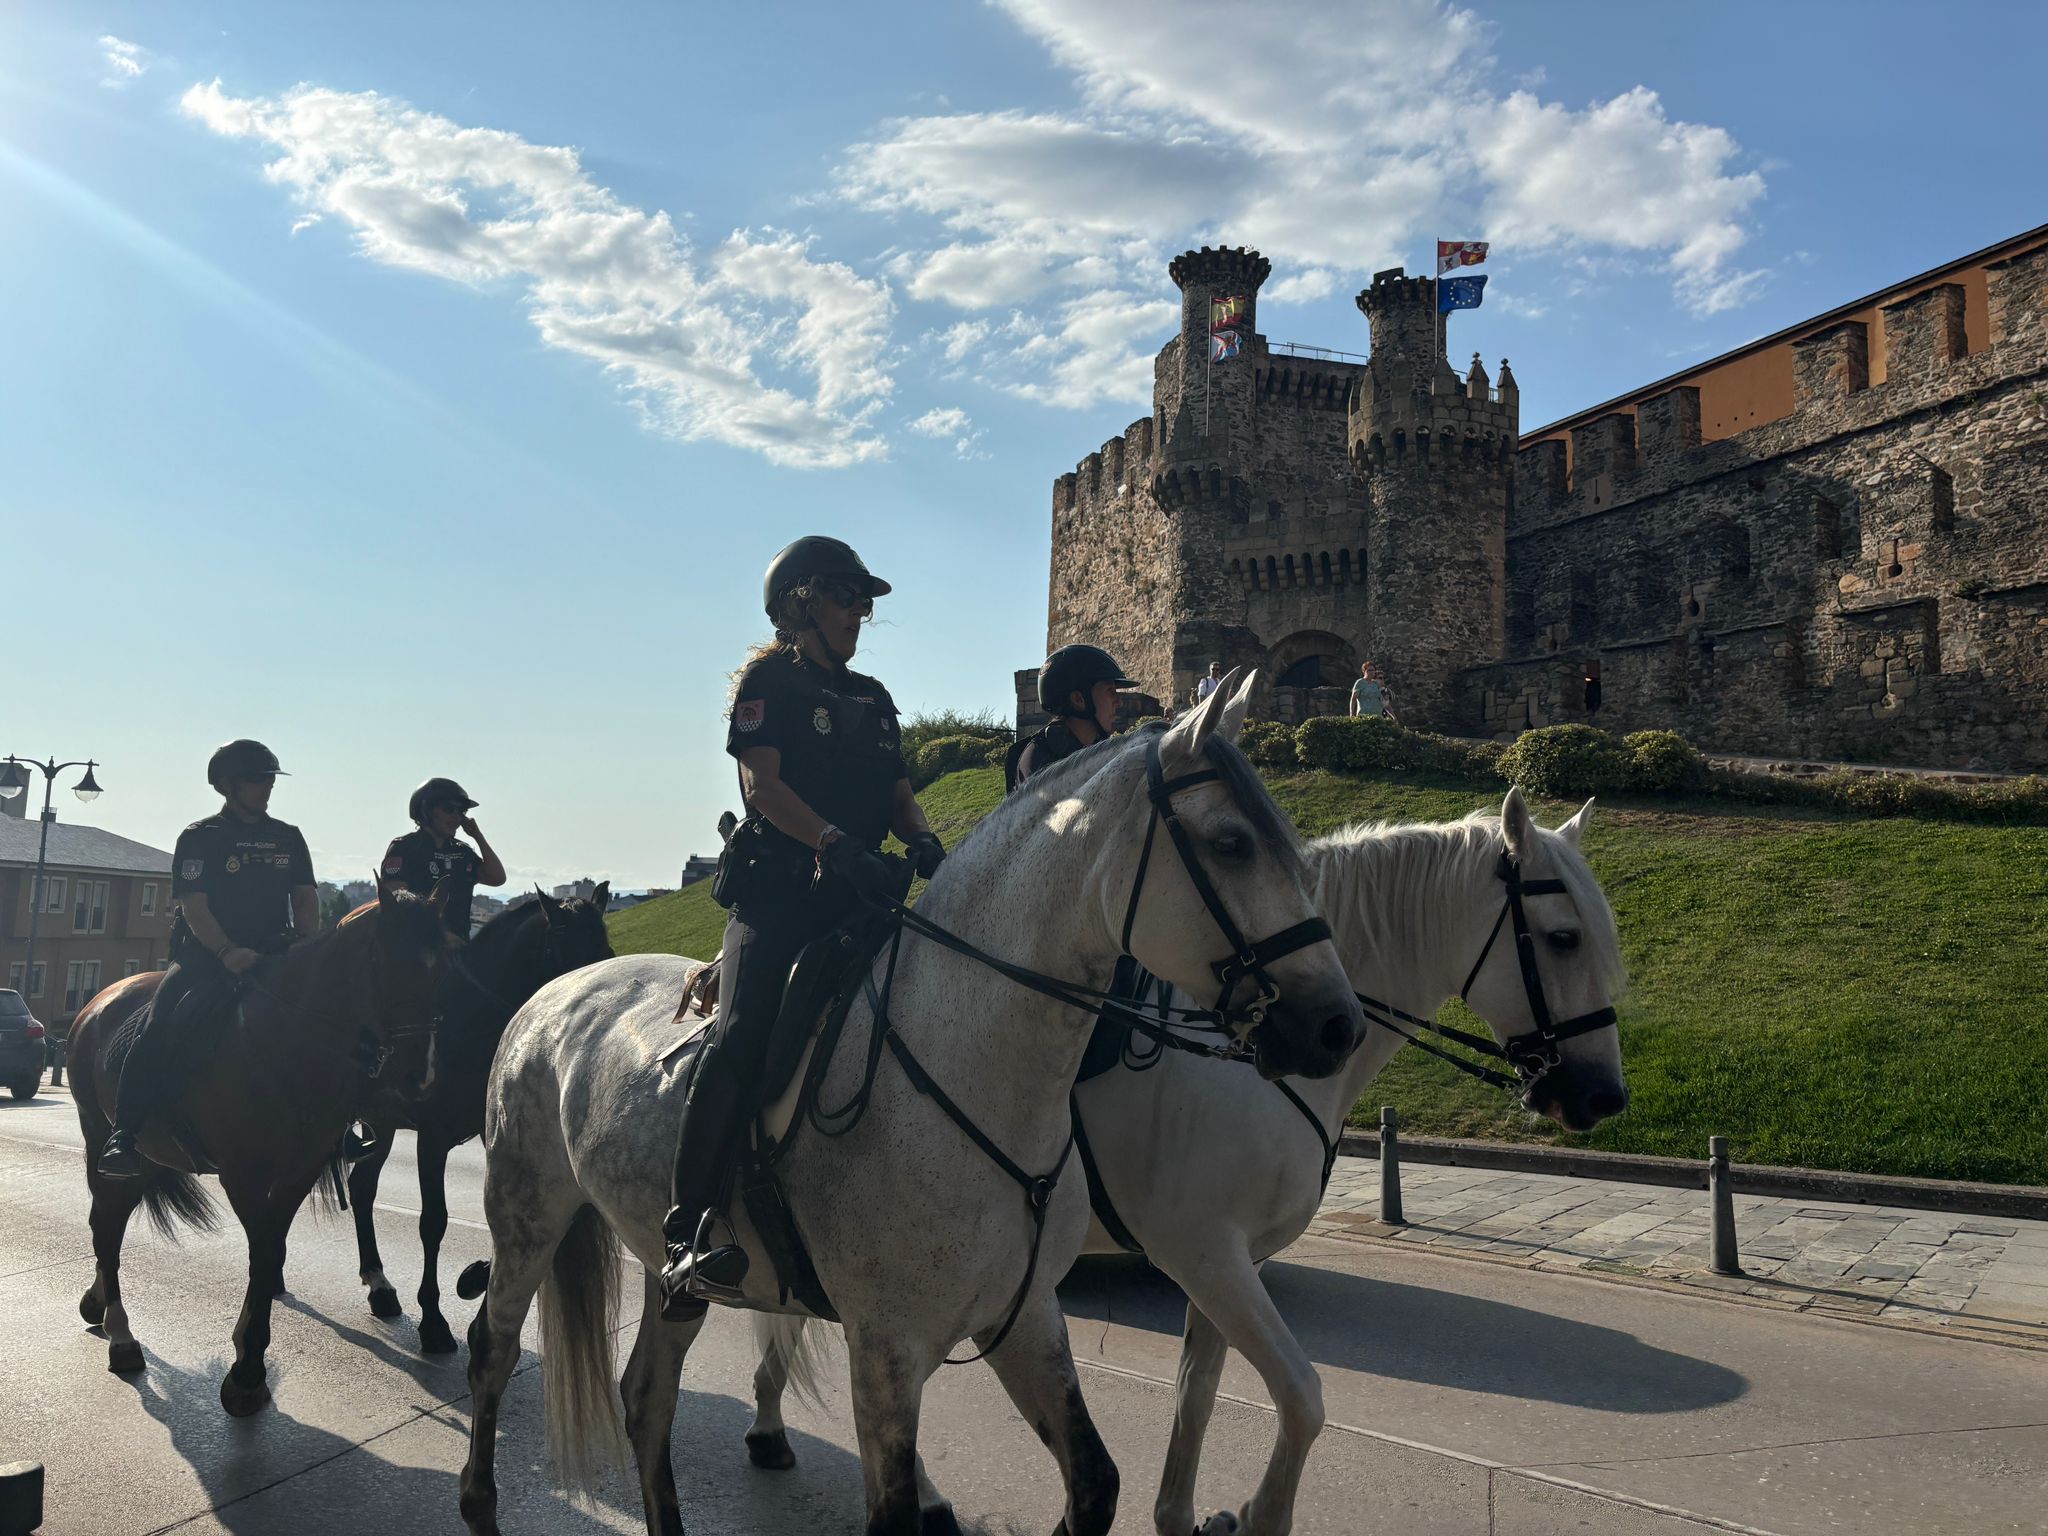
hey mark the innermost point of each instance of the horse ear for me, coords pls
(1517, 829)
(1191, 733)
(602, 896)
(442, 893)
(1575, 829)
(550, 908)
(1232, 723)
(383, 888)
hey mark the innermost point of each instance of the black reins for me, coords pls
(1533, 1052)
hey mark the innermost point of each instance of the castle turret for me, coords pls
(1219, 293)
(1437, 452)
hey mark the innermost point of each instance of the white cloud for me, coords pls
(755, 343)
(126, 62)
(1337, 142)
(950, 421)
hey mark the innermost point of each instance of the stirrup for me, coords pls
(702, 1274)
(120, 1158)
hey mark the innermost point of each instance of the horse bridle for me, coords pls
(1247, 960)
(1532, 1053)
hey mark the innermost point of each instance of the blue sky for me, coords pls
(424, 388)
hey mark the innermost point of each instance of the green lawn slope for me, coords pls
(1840, 993)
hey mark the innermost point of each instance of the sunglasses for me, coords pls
(451, 808)
(847, 597)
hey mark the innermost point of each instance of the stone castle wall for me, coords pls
(1864, 579)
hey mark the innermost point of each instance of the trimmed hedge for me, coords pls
(949, 754)
(1569, 761)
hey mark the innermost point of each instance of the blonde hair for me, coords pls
(792, 616)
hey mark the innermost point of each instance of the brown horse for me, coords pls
(269, 1109)
(507, 960)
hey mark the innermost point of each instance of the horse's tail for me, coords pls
(791, 1346)
(579, 1311)
(173, 1197)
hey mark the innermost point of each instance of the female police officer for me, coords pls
(1077, 686)
(821, 770)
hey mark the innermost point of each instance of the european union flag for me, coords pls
(1459, 293)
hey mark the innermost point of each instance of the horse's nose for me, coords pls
(1605, 1102)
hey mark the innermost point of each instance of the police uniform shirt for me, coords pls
(1043, 748)
(418, 863)
(842, 749)
(247, 871)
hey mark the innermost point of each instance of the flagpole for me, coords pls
(1209, 367)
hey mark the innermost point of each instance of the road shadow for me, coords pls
(1421, 1334)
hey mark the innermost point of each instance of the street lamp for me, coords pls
(13, 780)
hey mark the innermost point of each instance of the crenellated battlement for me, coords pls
(1110, 471)
(1656, 444)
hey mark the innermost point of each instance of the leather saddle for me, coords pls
(1132, 988)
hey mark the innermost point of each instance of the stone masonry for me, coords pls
(1863, 579)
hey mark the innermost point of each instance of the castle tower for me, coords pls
(1211, 399)
(1437, 455)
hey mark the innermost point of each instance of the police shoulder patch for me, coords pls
(191, 869)
(395, 864)
(748, 714)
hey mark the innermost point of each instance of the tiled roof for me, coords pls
(76, 847)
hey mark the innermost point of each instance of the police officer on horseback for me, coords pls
(420, 859)
(822, 774)
(243, 884)
(1077, 686)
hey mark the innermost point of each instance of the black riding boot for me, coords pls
(146, 1074)
(713, 1123)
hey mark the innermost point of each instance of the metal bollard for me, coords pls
(1726, 1260)
(21, 1497)
(1390, 1168)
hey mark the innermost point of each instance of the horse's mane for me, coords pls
(1234, 770)
(1357, 868)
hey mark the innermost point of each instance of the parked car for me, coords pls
(23, 1049)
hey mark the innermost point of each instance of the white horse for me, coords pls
(919, 1238)
(1212, 1171)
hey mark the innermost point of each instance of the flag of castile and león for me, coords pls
(1453, 254)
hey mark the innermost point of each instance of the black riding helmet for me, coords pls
(436, 792)
(243, 759)
(1076, 668)
(818, 558)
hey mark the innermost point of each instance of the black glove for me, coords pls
(927, 853)
(867, 873)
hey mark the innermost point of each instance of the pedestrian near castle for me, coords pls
(1370, 695)
(1208, 684)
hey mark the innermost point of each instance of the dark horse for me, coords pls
(269, 1106)
(510, 958)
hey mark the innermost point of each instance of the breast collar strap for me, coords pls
(1535, 1052)
(1247, 959)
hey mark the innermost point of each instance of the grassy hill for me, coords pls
(1841, 993)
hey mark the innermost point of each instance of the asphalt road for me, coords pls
(1462, 1398)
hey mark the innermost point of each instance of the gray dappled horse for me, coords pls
(920, 1238)
(1211, 1171)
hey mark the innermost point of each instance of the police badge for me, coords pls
(821, 717)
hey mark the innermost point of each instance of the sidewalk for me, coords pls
(1986, 1278)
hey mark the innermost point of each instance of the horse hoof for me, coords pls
(384, 1303)
(92, 1309)
(243, 1401)
(474, 1277)
(124, 1358)
(436, 1338)
(771, 1452)
(1222, 1523)
(937, 1521)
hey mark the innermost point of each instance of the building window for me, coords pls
(81, 981)
(14, 979)
(1324, 559)
(89, 909)
(52, 894)
(131, 967)
(148, 900)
